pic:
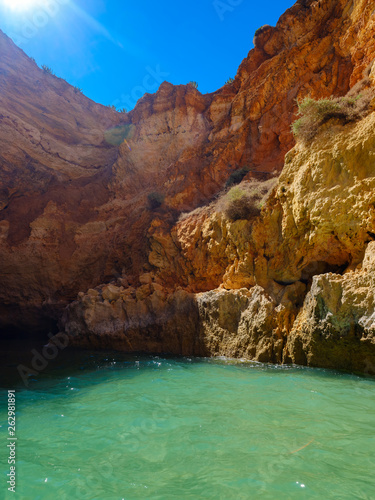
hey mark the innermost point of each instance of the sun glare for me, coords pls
(21, 4)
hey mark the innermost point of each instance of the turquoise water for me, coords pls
(154, 428)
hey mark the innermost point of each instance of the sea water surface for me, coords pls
(109, 426)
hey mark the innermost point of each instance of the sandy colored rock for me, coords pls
(244, 323)
(333, 330)
(336, 326)
(241, 323)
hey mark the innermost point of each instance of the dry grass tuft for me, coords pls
(241, 202)
(244, 202)
(314, 113)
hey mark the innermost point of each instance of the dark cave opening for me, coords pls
(17, 323)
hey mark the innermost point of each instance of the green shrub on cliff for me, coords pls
(240, 205)
(314, 113)
(243, 208)
(245, 202)
(194, 84)
(117, 135)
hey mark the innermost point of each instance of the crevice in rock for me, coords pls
(285, 283)
(320, 267)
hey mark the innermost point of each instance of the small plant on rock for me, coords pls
(245, 202)
(241, 205)
(194, 84)
(314, 113)
(47, 70)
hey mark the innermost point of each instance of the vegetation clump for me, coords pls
(241, 206)
(121, 110)
(155, 200)
(78, 90)
(194, 84)
(314, 113)
(245, 202)
(229, 81)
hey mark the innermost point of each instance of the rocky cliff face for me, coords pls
(74, 209)
(335, 326)
(297, 283)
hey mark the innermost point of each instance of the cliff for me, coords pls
(297, 281)
(75, 213)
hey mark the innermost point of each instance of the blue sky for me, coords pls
(115, 50)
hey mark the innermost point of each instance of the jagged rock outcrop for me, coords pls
(248, 324)
(336, 325)
(237, 323)
(320, 218)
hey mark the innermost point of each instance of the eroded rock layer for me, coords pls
(297, 282)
